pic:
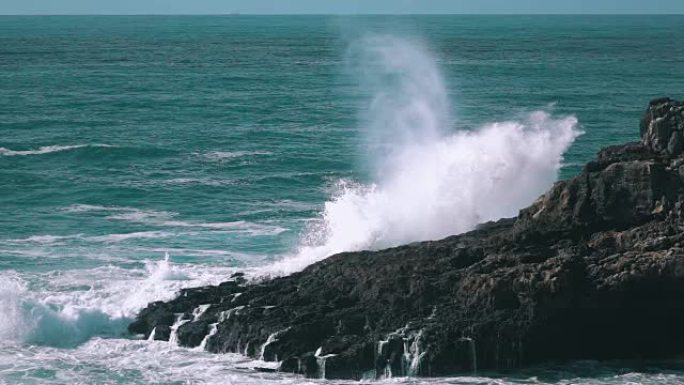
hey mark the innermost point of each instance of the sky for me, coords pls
(341, 6)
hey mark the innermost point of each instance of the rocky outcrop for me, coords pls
(594, 269)
(662, 128)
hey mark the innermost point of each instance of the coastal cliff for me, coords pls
(594, 269)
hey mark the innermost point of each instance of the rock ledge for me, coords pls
(594, 269)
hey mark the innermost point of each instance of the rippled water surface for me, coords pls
(263, 144)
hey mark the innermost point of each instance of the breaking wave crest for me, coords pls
(47, 149)
(70, 308)
(27, 319)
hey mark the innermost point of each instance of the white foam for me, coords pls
(225, 254)
(199, 310)
(134, 362)
(173, 337)
(156, 362)
(107, 238)
(213, 329)
(134, 235)
(25, 318)
(47, 149)
(223, 155)
(67, 308)
(168, 219)
(44, 239)
(83, 208)
(429, 182)
(165, 271)
(11, 316)
(238, 226)
(130, 214)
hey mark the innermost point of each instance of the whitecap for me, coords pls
(135, 235)
(223, 155)
(67, 308)
(84, 208)
(250, 228)
(48, 149)
(229, 255)
(44, 239)
(167, 219)
(49, 240)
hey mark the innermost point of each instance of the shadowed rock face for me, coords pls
(594, 269)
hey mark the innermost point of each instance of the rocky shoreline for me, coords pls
(594, 269)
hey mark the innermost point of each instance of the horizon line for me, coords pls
(342, 14)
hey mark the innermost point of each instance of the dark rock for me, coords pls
(238, 277)
(161, 333)
(594, 269)
(191, 334)
(165, 314)
(306, 364)
(676, 143)
(264, 370)
(662, 126)
(156, 313)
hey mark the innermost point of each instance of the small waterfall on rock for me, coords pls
(388, 372)
(406, 347)
(173, 338)
(199, 310)
(225, 315)
(412, 354)
(213, 329)
(271, 339)
(321, 361)
(152, 334)
(381, 346)
(387, 369)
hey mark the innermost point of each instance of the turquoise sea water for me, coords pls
(233, 142)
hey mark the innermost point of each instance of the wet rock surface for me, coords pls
(594, 269)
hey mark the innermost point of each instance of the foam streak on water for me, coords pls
(47, 149)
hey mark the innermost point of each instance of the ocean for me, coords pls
(143, 154)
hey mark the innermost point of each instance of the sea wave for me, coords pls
(68, 309)
(118, 237)
(169, 219)
(107, 238)
(224, 155)
(49, 149)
